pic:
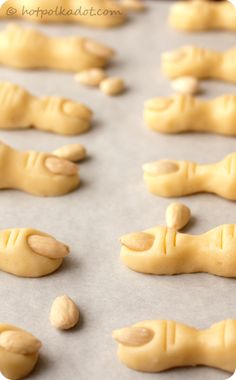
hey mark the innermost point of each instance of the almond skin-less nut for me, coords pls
(177, 215)
(133, 336)
(19, 342)
(77, 110)
(138, 241)
(98, 49)
(48, 246)
(91, 77)
(186, 85)
(64, 313)
(71, 152)
(112, 86)
(134, 5)
(160, 167)
(61, 166)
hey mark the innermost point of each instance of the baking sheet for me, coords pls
(113, 201)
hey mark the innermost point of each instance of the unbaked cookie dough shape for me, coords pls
(98, 13)
(156, 346)
(26, 252)
(54, 114)
(36, 173)
(19, 352)
(200, 63)
(182, 113)
(164, 251)
(23, 48)
(213, 15)
(170, 178)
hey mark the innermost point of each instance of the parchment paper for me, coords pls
(113, 201)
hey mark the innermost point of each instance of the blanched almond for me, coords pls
(48, 246)
(177, 215)
(91, 77)
(71, 152)
(77, 110)
(133, 336)
(160, 167)
(98, 49)
(134, 5)
(186, 85)
(19, 342)
(112, 86)
(61, 166)
(64, 313)
(175, 55)
(138, 241)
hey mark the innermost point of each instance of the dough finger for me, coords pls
(27, 252)
(156, 346)
(169, 178)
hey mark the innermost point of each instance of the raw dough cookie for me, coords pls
(19, 351)
(200, 63)
(168, 178)
(23, 48)
(54, 114)
(214, 15)
(105, 13)
(26, 252)
(36, 173)
(181, 113)
(155, 346)
(164, 251)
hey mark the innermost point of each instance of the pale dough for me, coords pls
(27, 171)
(31, 49)
(200, 63)
(199, 15)
(181, 113)
(58, 115)
(168, 252)
(12, 365)
(18, 258)
(105, 13)
(168, 178)
(172, 344)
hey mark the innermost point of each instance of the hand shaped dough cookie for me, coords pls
(36, 173)
(19, 351)
(200, 63)
(26, 252)
(155, 346)
(53, 114)
(104, 13)
(164, 251)
(181, 113)
(31, 49)
(214, 15)
(168, 178)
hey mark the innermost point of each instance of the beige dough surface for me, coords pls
(164, 251)
(36, 173)
(106, 13)
(19, 257)
(168, 178)
(15, 365)
(24, 48)
(181, 113)
(54, 114)
(155, 346)
(200, 15)
(200, 63)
